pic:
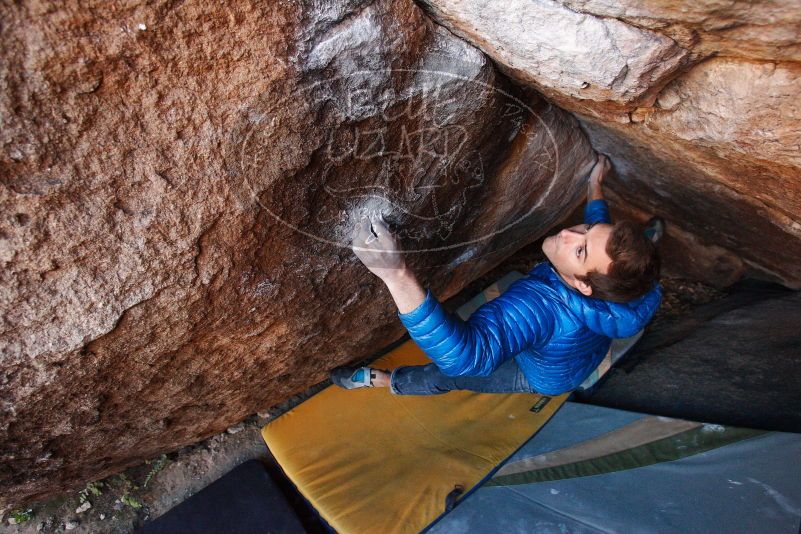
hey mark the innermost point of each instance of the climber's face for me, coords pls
(578, 250)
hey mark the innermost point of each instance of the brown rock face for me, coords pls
(721, 162)
(178, 186)
(703, 121)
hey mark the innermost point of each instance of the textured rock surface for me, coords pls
(704, 128)
(178, 183)
(767, 29)
(720, 160)
(564, 53)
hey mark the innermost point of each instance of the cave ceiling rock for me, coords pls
(704, 125)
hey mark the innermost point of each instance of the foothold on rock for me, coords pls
(70, 525)
(84, 507)
(236, 428)
(668, 99)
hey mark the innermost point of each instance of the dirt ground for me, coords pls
(123, 502)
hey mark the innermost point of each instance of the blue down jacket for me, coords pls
(555, 334)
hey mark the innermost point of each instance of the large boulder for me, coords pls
(178, 186)
(733, 361)
(697, 103)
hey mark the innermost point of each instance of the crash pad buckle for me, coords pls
(453, 496)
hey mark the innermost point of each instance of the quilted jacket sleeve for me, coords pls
(497, 331)
(597, 211)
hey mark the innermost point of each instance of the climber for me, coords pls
(546, 333)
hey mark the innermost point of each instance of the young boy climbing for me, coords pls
(546, 333)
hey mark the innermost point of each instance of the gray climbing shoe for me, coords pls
(655, 229)
(353, 377)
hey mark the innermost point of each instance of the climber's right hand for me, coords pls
(377, 248)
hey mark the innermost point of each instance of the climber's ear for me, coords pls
(583, 287)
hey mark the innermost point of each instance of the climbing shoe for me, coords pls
(655, 229)
(353, 377)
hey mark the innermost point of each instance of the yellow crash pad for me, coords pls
(372, 461)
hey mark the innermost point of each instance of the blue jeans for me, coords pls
(429, 380)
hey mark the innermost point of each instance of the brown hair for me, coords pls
(634, 268)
